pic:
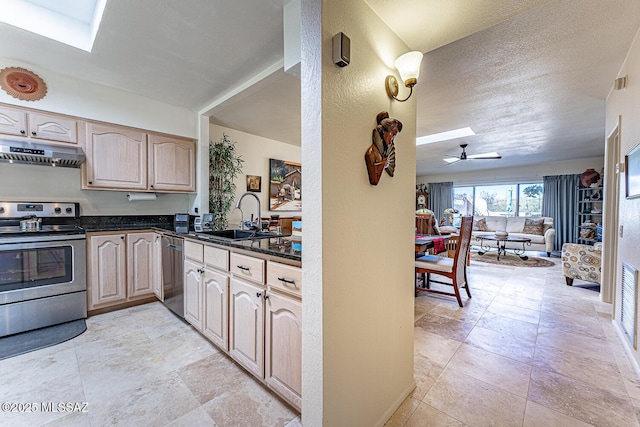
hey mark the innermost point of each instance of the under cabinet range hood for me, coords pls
(12, 151)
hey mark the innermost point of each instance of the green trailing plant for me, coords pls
(224, 166)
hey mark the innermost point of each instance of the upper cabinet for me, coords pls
(122, 158)
(116, 158)
(172, 164)
(38, 126)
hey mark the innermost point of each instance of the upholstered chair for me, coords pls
(581, 262)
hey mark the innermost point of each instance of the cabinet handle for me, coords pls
(242, 267)
(122, 237)
(22, 131)
(151, 186)
(258, 294)
(33, 133)
(90, 182)
(287, 281)
(266, 297)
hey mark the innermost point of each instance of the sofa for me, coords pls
(539, 229)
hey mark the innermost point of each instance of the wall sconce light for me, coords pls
(408, 66)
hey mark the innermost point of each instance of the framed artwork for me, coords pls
(285, 185)
(632, 173)
(254, 183)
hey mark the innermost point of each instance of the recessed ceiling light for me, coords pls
(71, 22)
(445, 136)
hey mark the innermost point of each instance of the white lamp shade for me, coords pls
(408, 65)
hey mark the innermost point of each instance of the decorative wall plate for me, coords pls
(22, 84)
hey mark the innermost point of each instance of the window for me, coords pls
(521, 199)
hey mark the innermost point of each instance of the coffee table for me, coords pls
(501, 243)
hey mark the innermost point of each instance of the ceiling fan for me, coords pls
(452, 158)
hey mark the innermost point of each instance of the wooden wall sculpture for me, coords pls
(381, 155)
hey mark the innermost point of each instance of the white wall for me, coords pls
(626, 103)
(256, 151)
(517, 174)
(92, 101)
(358, 256)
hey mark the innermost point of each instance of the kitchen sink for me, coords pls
(237, 234)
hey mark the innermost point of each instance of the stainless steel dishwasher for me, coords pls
(172, 271)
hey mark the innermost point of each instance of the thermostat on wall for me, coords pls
(341, 50)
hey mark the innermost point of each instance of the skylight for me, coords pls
(72, 22)
(445, 136)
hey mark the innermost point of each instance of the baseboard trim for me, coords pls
(396, 404)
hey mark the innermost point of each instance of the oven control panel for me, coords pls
(39, 209)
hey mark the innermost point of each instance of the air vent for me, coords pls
(628, 307)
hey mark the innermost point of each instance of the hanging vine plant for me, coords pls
(224, 166)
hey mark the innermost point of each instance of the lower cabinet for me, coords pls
(120, 267)
(158, 289)
(251, 309)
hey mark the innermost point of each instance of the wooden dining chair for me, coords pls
(455, 269)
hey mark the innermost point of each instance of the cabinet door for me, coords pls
(140, 273)
(193, 293)
(53, 128)
(107, 270)
(158, 289)
(172, 164)
(246, 325)
(216, 303)
(283, 347)
(116, 158)
(13, 121)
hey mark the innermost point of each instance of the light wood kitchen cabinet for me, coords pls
(120, 268)
(116, 158)
(216, 306)
(246, 325)
(38, 126)
(283, 346)
(193, 293)
(283, 331)
(158, 289)
(140, 264)
(122, 158)
(107, 270)
(172, 164)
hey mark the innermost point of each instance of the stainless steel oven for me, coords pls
(43, 268)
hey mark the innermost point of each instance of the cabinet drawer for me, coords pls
(194, 251)
(284, 277)
(216, 257)
(247, 267)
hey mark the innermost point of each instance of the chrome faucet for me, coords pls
(259, 220)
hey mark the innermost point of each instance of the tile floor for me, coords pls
(526, 351)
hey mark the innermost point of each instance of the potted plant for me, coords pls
(224, 166)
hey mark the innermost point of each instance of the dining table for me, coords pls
(424, 242)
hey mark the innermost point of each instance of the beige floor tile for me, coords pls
(540, 416)
(589, 326)
(427, 416)
(445, 327)
(502, 343)
(148, 404)
(588, 403)
(196, 418)
(516, 313)
(576, 343)
(433, 346)
(516, 328)
(500, 371)
(475, 402)
(575, 365)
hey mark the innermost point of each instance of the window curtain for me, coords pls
(440, 197)
(559, 202)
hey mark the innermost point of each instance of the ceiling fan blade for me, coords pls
(451, 159)
(492, 155)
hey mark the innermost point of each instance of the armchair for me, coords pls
(581, 262)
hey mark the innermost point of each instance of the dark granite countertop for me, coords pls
(283, 247)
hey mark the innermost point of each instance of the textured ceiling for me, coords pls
(530, 77)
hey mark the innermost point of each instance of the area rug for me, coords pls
(510, 260)
(25, 342)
